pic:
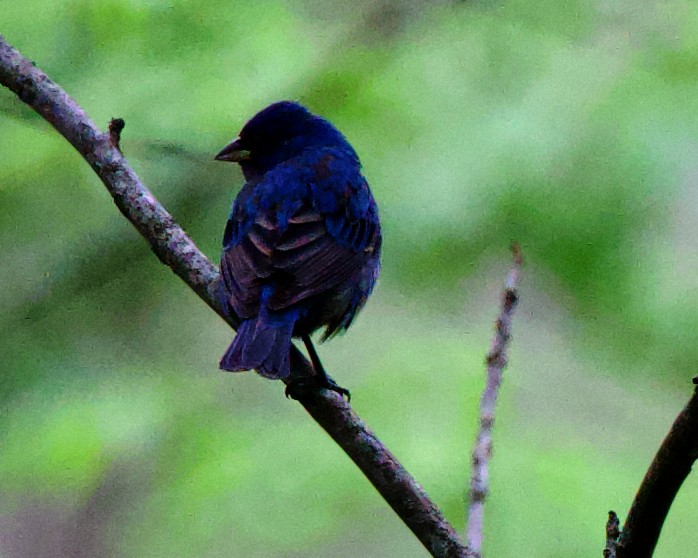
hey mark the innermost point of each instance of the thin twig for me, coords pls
(670, 467)
(612, 534)
(175, 249)
(482, 451)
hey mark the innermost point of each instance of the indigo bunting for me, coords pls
(301, 248)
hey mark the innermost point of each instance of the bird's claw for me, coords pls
(331, 385)
(301, 388)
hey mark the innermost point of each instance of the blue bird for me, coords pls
(301, 248)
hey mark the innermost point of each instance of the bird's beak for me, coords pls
(233, 153)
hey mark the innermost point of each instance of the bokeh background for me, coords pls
(567, 126)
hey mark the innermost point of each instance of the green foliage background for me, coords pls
(567, 126)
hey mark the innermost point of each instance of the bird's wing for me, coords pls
(331, 237)
(316, 256)
(245, 260)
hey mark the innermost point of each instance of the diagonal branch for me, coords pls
(482, 451)
(664, 478)
(176, 250)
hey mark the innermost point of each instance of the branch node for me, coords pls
(612, 535)
(116, 126)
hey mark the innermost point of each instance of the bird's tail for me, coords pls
(262, 344)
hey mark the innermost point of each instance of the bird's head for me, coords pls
(278, 133)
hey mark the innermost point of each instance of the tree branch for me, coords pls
(482, 451)
(664, 478)
(176, 250)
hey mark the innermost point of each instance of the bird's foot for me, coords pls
(301, 388)
(330, 384)
(306, 385)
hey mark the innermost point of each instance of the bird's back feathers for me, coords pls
(302, 244)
